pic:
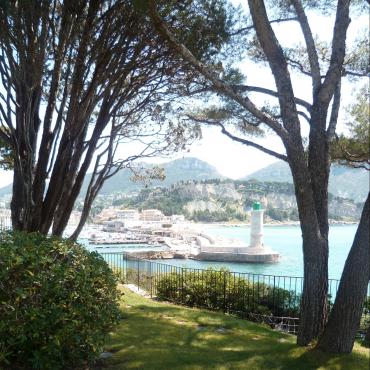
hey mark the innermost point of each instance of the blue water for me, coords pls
(286, 240)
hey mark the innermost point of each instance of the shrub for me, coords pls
(222, 290)
(57, 302)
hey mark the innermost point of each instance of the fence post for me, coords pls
(273, 295)
(126, 268)
(138, 274)
(225, 291)
(151, 279)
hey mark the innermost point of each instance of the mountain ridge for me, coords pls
(344, 182)
(182, 169)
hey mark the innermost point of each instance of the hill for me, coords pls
(183, 169)
(178, 170)
(344, 182)
(230, 200)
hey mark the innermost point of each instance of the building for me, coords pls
(128, 214)
(113, 226)
(107, 214)
(150, 215)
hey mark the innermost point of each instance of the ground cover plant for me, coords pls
(155, 335)
(57, 303)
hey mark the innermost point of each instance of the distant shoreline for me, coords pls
(268, 224)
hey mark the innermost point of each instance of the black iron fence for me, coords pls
(266, 298)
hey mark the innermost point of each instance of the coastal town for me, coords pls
(169, 237)
(181, 238)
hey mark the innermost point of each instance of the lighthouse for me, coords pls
(256, 239)
(257, 251)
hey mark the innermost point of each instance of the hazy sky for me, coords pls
(236, 160)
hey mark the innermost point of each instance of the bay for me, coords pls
(286, 240)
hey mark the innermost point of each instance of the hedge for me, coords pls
(58, 302)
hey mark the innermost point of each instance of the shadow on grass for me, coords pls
(162, 336)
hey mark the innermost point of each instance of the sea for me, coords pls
(286, 240)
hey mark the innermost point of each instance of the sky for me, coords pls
(235, 160)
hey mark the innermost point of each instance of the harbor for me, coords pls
(165, 240)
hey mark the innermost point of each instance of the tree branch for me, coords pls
(310, 43)
(330, 132)
(218, 84)
(239, 139)
(278, 65)
(345, 72)
(248, 28)
(334, 73)
(305, 116)
(263, 90)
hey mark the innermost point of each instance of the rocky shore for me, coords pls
(156, 255)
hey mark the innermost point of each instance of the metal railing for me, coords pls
(271, 299)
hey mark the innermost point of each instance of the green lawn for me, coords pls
(155, 335)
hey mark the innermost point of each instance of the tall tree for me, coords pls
(77, 78)
(325, 65)
(344, 319)
(352, 150)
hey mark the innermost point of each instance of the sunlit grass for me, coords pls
(154, 335)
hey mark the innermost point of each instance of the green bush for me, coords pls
(365, 322)
(222, 290)
(57, 302)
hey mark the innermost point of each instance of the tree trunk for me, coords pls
(91, 194)
(17, 199)
(344, 320)
(314, 304)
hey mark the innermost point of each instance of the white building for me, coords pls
(151, 215)
(128, 214)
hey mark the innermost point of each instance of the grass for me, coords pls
(154, 335)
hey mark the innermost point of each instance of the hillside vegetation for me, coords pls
(218, 200)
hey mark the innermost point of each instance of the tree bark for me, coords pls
(313, 314)
(314, 304)
(344, 320)
(17, 199)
